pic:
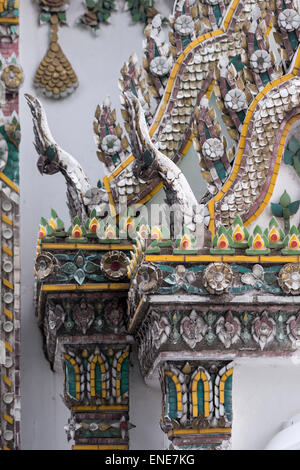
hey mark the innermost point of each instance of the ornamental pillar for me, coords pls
(197, 404)
(96, 390)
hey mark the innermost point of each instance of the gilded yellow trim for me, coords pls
(7, 381)
(202, 258)
(6, 180)
(7, 251)
(224, 258)
(8, 284)
(9, 20)
(121, 167)
(7, 220)
(101, 408)
(178, 388)
(177, 432)
(111, 199)
(82, 246)
(171, 258)
(72, 287)
(8, 313)
(8, 419)
(8, 347)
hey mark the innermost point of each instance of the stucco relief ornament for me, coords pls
(218, 278)
(160, 331)
(228, 329)
(160, 66)
(45, 265)
(183, 277)
(289, 20)
(293, 329)
(83, 315)
(56, 316)
(235, 100)
(71, 428)
(289, 278)
(114, 265)
(148, 278)
(260, 61)
(254, 279)
(114, 315)
(213, 149)
(263, 330)
(193, 329)
(184, 25)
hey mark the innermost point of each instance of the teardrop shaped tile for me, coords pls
(55, 76)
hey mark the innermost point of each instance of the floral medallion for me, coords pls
(12, 77)
(289, 278)
(235, 100)
(260, 61)
(160, 66)
(45, 265)
(148, 278)
(213, 149)
(114, 265)
(184, 25)
(111, 144)
(218, 278)
(289, 20)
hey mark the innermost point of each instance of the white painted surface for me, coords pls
(265, 393)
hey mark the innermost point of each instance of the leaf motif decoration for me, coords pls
(79, 276)
(69, 268)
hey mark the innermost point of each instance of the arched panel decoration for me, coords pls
(72, 380)
(120, 375)
(223, 393)
(173, 400)
(98, 374)
(201, 393)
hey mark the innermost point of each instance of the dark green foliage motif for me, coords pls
(99, 11)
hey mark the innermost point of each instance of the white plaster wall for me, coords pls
(264, 393)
